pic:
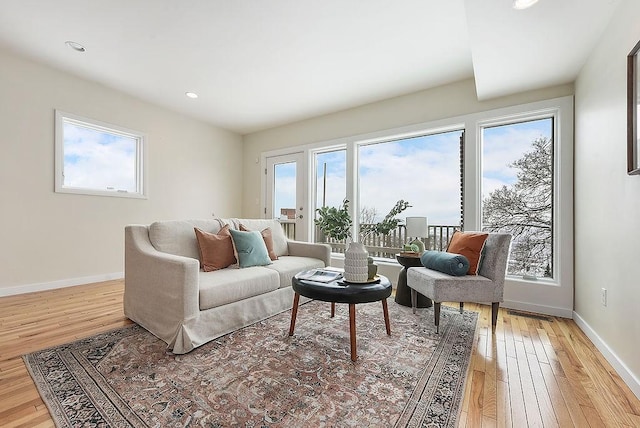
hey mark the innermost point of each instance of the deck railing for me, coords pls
(388, 246)
(289, 227)
(380, 245)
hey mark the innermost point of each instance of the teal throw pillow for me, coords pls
(449, 263)
(250, 248)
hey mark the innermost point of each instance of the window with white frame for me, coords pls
(96, 158)
(517, 191)
(471, 162)
(423, 170)
(523, 151)
(330, 177)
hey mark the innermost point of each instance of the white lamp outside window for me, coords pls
(417, 228)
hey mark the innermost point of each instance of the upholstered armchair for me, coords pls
(487, 286)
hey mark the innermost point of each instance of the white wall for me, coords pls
(607, 200)
(51, 239)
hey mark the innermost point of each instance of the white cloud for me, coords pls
(429, 179)
(98, 160)
(505, 144)
(427, 175)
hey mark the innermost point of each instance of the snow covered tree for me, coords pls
(525, 210)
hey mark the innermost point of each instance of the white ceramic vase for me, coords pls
(356, 266)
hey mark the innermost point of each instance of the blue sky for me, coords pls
(98, 160)
(503, 145)
(422, 170)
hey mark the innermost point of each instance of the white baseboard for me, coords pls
(618, 365)
(42, 286)
(539, 309)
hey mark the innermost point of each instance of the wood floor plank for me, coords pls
(489, 394)
(516, 398)
(557, 400)
(573, 406)
(509, 338)
(534, 418)
(538, 346)
(515, 329)
(474, 414)
(605, 395)
(462, 420)
(488, 422)
(528, 372)
(503, 405)
(542, 394)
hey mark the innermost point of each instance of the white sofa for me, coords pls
(168, 294)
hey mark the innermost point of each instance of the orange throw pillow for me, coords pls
(470, 245)
(216, 250)
(268, 240)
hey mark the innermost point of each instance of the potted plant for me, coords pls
(388, 223)
(335, 222)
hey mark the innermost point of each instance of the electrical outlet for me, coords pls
(603, 297)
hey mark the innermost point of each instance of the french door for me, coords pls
(285, 193)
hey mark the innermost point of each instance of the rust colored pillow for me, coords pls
(216, 250)
(268, 240)
(470, 245)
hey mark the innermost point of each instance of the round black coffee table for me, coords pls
(342, 292)
(403, 292)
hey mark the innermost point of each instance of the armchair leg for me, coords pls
(461, 307)
(414, 300)
(436, 315)
(494, 315)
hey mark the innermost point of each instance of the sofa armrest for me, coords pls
(310, 249)
(161, 290)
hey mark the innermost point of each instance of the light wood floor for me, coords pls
(531, 373)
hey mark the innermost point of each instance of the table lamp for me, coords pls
(417, 228)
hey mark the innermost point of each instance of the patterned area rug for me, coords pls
(260, 377)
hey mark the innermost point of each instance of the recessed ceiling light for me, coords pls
(191, 94)
(523, 4)
(75, 46)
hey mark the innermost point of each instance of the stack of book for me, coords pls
(320, 275)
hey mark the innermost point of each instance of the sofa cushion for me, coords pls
(250, 248)
(232, 284)
(177, 237)
(267, 235)
(452, 264)
(216, 249)
(280, 245)
(288, 266)
(470, 245)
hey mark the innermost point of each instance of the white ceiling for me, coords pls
(256, 64)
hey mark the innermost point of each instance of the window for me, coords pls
(284, 205)
(424, 170)
(517, 192)
(331, 178)
(95, 158)
(330, 187)
(467, 163)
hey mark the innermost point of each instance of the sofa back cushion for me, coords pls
(280, 246)
(178, 237)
